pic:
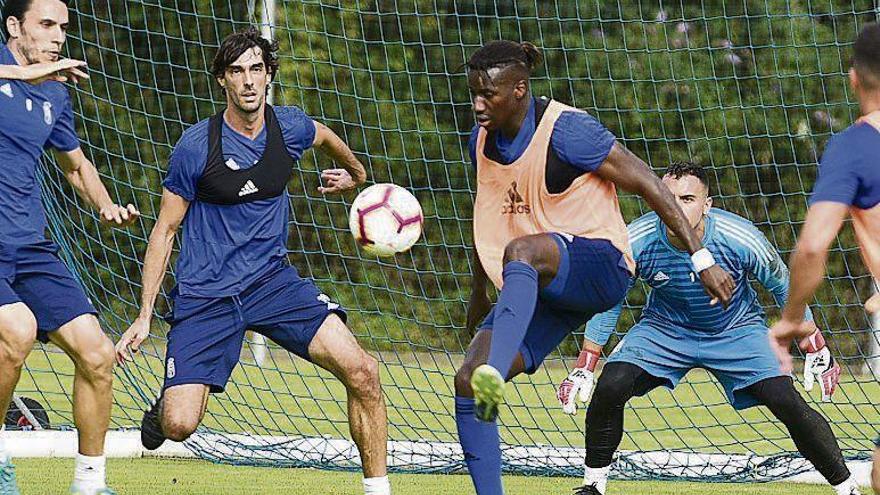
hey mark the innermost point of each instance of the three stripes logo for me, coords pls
(248, 188)
(515, 203)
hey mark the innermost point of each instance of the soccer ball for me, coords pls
(385, 219)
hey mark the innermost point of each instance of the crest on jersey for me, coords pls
(170, 369)
(47, 113)
(324, 298)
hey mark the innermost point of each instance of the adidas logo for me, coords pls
(661, 277)
(247, 188)
(515, 202)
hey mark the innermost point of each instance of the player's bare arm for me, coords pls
(64, 70)
(171, 212)
(336, 180)
(629, 172)
(807, 269)
(807, 264)
(83, 176)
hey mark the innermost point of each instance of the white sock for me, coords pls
(89, 472)
(597, 477)
(3, 456)
(377, 486)
(848, 487)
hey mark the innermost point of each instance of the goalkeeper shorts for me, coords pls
(592, 277)
(34, 275)
(738, 357)
(206, 336)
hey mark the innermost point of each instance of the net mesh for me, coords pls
(750, 89)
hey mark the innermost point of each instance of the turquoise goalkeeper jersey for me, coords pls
(677, 298)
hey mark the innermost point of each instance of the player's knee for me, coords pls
(521, 249)
(779, 395)
(17, 337)
(179, 427)
(463, 379)
(363, 379)
(614, 387)
(96, 362)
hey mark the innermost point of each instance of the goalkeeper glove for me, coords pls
(579, 382)
(819, 365)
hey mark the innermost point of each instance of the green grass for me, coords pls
(290, 397)
(293, 397)
(178, 477)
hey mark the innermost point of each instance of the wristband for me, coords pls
(813, 343)
(588, 359)
(702, 260)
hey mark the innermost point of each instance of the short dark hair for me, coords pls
(502, 53)
(239, 42)
(866, 56)
(17, 9)
(677, 170)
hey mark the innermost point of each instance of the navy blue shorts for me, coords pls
(206, 336)
(592, 278)
(34, 275)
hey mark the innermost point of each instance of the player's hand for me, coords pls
(781, 335)
(61, 71)
(131, 340)
(872, 305)
(119, 216)
(819, 364)
(478, 308)
(718, 283)
(579, 383)
(336, 180)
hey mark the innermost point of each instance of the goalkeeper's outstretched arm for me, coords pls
(171, 213)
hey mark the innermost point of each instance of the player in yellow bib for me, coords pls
(549, 235)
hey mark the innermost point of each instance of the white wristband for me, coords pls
(702, 260)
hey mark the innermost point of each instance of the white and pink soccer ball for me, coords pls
(385, 219)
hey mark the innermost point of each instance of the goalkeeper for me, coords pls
(680, 330)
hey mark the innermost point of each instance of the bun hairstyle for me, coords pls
(503, 53)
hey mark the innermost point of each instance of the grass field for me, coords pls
(160, 477)
(289, 397)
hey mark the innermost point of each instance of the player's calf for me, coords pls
(335, 349)
(875, 472)
(810, 431)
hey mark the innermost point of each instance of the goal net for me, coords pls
(752, 90)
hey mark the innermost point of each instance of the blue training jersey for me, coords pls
(677, 297)
(848, 175)
(225, 248)
(35, 118)
(578, 139)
